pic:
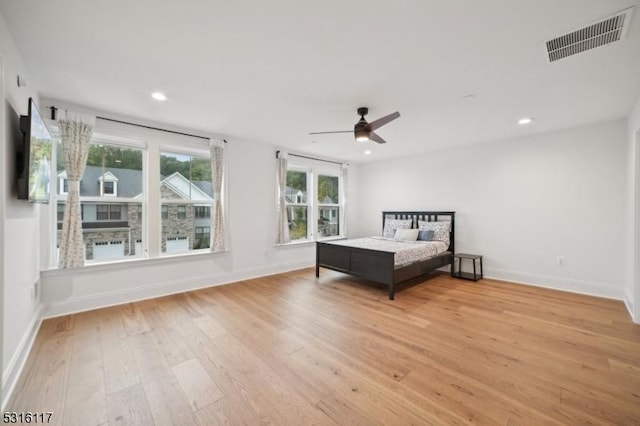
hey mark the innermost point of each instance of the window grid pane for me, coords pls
(185, 226)
(111, 230)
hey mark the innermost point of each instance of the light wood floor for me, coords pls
(291, 350)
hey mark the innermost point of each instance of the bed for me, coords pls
(378, 263)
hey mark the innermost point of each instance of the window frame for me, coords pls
(151, 143)
(314, 169)
(185, 203)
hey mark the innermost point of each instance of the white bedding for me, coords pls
(406, 252)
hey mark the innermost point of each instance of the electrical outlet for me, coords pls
(560, 260)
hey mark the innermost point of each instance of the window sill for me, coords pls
(309, 242)
(140, 261)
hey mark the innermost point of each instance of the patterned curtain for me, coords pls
(217, 175)
(283, 223)
(75, 134)
(345, 186)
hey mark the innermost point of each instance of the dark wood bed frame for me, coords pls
(377, 265)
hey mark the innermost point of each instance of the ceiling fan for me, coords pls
(364, 131)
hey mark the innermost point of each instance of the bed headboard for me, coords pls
(427, 216)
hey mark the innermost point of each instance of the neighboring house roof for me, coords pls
(290, 195)
(206, 187)
(130, 183)
(184, 188)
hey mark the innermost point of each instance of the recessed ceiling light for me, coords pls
(159, 96)
(525, 120)
(367, 152)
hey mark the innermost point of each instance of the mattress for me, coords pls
(405, 252)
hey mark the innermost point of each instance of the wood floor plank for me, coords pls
(120, 368)
(85, 400)
(293, 349)
(196, 384)
(167, 402)
(129, 407)
(43, 383)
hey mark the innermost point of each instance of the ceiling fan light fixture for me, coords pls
(361, 134)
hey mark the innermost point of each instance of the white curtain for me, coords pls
(283, 223)
(75, 134)
(217, 175)
(345, 193)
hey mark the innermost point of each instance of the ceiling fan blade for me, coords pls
(384, 120)
(337, 131)
(373, 136)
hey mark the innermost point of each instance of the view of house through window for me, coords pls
(328, 206)
(187, 196)
(111, 201)
(114, 211)
(296, 200)
(317, 216)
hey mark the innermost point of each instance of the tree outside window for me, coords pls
(296, 201)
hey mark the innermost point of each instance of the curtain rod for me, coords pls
(311, 158)
(54, 110)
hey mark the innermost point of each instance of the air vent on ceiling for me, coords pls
(608, 30)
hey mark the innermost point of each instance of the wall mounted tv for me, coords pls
(33, 157)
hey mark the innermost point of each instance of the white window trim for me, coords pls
(152, 143)
(195, 151)
(314, 169)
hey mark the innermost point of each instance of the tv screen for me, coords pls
(34, 163)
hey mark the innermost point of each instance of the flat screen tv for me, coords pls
(33, 157)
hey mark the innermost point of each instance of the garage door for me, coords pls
(108, 249)
(176, 244)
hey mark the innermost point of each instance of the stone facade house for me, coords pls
(112, 219)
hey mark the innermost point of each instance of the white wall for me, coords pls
(20, 220)
(633, 214)
(521, 203)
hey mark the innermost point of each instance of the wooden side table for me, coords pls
(466, 275)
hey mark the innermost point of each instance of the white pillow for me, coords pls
(406, 234)
(440, 229)
(390, 226)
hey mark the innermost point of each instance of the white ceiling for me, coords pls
(272, 71)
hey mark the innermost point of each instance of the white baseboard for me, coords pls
(104, 299)
(628, 302)
(11, 374)
(557, 283)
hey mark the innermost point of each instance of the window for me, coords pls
(187, 198)
(102, 212)
(63, 183)
(108, 188)
(296, 201)
(203, 237)
(108, 212)
(110, 226)
(202, 212)
(182, 212)
(319, 215)
(328, 205)
(116, 186)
